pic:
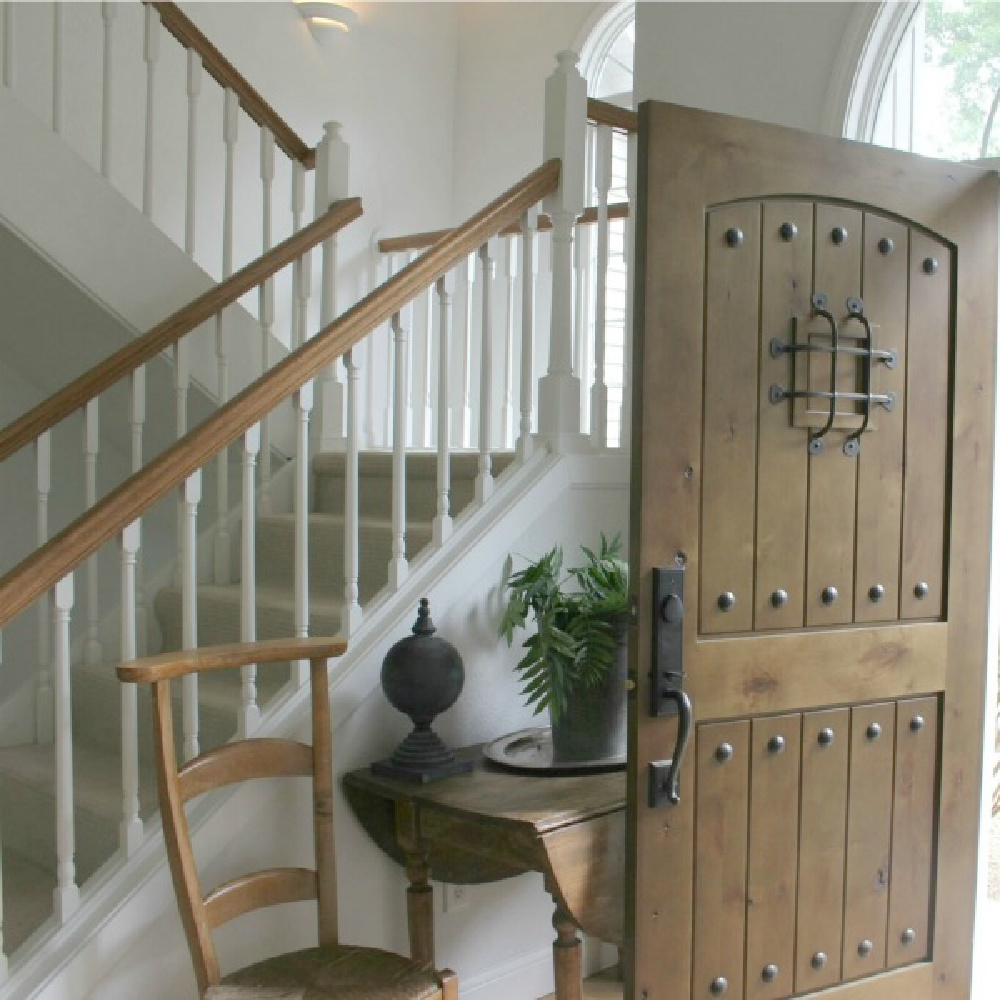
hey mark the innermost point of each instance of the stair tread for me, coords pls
(326, 519)
(419, 464)
(276, 597)
(97, 780)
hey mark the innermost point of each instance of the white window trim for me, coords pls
(863, 64)
(600, 33)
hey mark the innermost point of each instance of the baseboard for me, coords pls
(523, 978)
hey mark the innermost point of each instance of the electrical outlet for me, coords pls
(454, 897)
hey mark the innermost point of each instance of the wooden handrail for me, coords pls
(66, 550)
(137, 352)
(603, 113)
(420, 241)
(228, 76)
(165, 666)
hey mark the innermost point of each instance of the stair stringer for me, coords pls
(127, 919)
(69, 214)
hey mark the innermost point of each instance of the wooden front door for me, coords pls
(814, 357)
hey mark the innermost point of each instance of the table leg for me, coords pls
(567, 957)
(420, 908)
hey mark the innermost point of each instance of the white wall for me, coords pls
(768, 61)
(506, 52)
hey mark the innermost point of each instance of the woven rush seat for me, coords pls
(340, 972)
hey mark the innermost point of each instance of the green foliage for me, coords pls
(964, 39)
(573, 643)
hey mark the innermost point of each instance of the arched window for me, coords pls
(928, 78)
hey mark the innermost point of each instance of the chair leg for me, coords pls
(449, 984)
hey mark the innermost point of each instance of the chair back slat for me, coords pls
(244, 761)
(326, 865)
(177, 837)
(252, 892)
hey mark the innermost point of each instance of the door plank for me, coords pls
(924, 498)
(822, 848)
(796, 670)
(869, 824)
(782, 461)
(729, 443)
(720, 870)
(913, 830)
(832, 474)
(773, 856)
(880, 462)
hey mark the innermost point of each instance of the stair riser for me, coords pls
(29, 828)
(276, 556)
(97, 718)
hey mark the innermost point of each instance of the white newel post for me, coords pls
(66, 894)
(566, 140)
(332, 166)
(44, 707)
(249, 718)
(130, 829)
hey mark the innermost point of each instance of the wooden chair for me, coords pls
(331, 971)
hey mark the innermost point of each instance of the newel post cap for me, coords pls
(333, 158)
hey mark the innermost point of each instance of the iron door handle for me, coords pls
(665, 775)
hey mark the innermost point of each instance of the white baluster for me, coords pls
(465, 406)
(599, 390)
(369, 435)
(58, 26)
(151, 53)
(507, 403)
(351, 615)
(484, 480)
(409, 324)
(191, 201)
(44, 704)
(398, 567)
(303, 403)
(265, 308)
(424, 433)
(529, 272)
(138, 421)
(3, 950)
(392, 267)
(581, 316)
(191, 497)
(91, 444)
(629, 255)
(332, 166)
(9, 46)
(182, 381)
(565, 139)
(298, 207)
(130, 830)
(66, 895)
(230, 124)
(108, 12)
(249, 710)
(442, 525)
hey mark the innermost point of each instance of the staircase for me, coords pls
(333, 552)
(27, 773)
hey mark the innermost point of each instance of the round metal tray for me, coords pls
(531, 750)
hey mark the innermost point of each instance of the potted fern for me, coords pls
(575, 660)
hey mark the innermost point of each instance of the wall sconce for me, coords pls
(327, 20)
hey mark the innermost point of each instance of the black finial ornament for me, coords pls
(422, 675)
